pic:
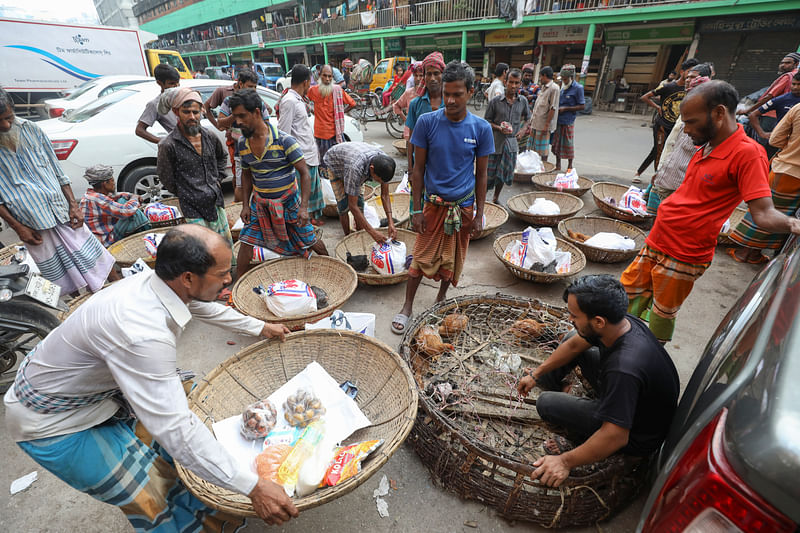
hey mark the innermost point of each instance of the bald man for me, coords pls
(71, 403)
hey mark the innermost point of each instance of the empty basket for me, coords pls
(495, 215)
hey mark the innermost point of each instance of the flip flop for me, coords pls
(760, 261)
(556, 445)
(401, 319)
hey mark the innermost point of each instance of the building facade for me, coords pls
(116, 13)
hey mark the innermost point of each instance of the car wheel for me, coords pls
(143, 181)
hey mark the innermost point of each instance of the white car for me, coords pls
(103, 132)
(89, 92)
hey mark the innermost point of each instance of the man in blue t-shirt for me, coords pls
(570, 102)
(781, 104)
(451, 149)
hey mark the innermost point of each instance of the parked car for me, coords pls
(103, 132)
(88, 92)
(217, 73)
(731, 460)
(268, 74)
(384, 70)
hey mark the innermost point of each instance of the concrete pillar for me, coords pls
(463, 45)
(191, 65)
(383, 47)
(325, 51)
(286, 59)
(587, 53)
(252, 56)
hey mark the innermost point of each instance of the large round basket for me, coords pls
(605, 189)
(479, 439)
(386, 395)
(495, 215)
(589, 226)
(525, 177)
(544, 182)
(336, 278)
(232, 213)
(400, 209)
(736, 217)
(401, 146)
(172, 201)
(360, 243)
(367, 191)
(7, 252)
(126, 251)
(578, 260)
(568, 204)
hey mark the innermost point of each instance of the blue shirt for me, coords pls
(452, 149)
(781, 104)
(272, 171)
(572, 95)
(418, 107)
(31, 180)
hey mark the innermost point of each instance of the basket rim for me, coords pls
(539, 179)
(525, 215)
(364, 276)
(570, 248)
(614, 208)
(380, 456)
(565, 235)
(531, 174)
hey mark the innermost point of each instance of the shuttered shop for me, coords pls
(746, 51)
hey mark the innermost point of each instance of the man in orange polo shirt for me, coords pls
(330, 105)
(727, 169)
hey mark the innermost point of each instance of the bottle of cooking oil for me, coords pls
(304, 448)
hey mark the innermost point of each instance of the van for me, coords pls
(268, 74)
(384, 71)
(170, 57)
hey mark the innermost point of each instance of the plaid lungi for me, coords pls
(786, 198)
(564, 141)
(501, 167)
(539, 142)
(299, 239)
(436, 254)
(316, 202)
(659, 283)
(219, 226)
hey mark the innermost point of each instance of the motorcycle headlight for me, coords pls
(5, 295)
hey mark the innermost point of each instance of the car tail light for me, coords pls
(56, 112)
(704, 494)
(64, 148)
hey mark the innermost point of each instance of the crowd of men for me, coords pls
(64, 409)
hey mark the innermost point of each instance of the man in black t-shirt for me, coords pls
(669, 109)
(635, 382)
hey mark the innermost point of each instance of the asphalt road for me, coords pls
(608, 146)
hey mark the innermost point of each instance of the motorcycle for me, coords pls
(25, 316)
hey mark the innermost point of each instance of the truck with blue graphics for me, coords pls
(40, 60)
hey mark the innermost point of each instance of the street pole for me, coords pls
(325, 51)
(286, 58)
(383, 47)
(463, 45)
(587, 53)
(252, 57)
(191, 65)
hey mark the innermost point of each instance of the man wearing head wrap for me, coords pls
(529, 88)
(779, 106)
(167, 77)
(36, 201)
(787, 68)
(191, 165)
(400, 106)
(570, 102)
(110, 215)
(430, 98)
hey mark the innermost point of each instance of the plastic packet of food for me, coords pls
(302, 408)
(268, 461)
(258, 420)
(347, 461)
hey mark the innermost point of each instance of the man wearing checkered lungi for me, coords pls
(570, 102)
(545, 114)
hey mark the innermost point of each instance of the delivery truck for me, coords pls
(40, 60)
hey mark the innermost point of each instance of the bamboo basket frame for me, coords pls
(568, 203)
(590, 225)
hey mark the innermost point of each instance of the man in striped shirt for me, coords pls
(36, 201)
(276, 215)
(109, 214)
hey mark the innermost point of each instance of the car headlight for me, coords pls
(355, 124)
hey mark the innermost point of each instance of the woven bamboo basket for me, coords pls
(172, 201)
(7, 252)
(400, 146)
(360, 243)
(400, 209)
(126, 251)
(481, 440)
(544, 182)
(367, 191)
(736, 217)
(577, 264)
(495, 215)
(237, 245)
(232, 213)
(336, 278)
(525, 177)
(604, 189)
(568, 204)
(592, 225)
(386, 395)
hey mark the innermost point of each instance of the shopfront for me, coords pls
(561, 45)
(513, 46)
(449, 45)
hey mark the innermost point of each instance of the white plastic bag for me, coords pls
(327, 191)
(151, 242)
(403, 187)
(264, 254)
(531, 250)
(543, 206)
(389, 257)
(290, 297)
(135, 268)
(371, 214)
(633, 201)
(563, 262)
(314, 468)
(610, 241)
(529, 162)
(359, 322)
(569, 180)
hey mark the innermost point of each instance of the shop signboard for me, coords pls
(674, 33)
(567, 35)
(784, 22)
(510, 37)
(450, 41)
(391, 45)
(358, 46)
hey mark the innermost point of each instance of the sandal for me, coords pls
(760, 261)
(556, 445)
(401, 319)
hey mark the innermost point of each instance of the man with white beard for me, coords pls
(330, 105)
(36, 201)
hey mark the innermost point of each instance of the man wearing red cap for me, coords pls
(430, 99)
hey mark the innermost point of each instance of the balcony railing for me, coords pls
(436, 11)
